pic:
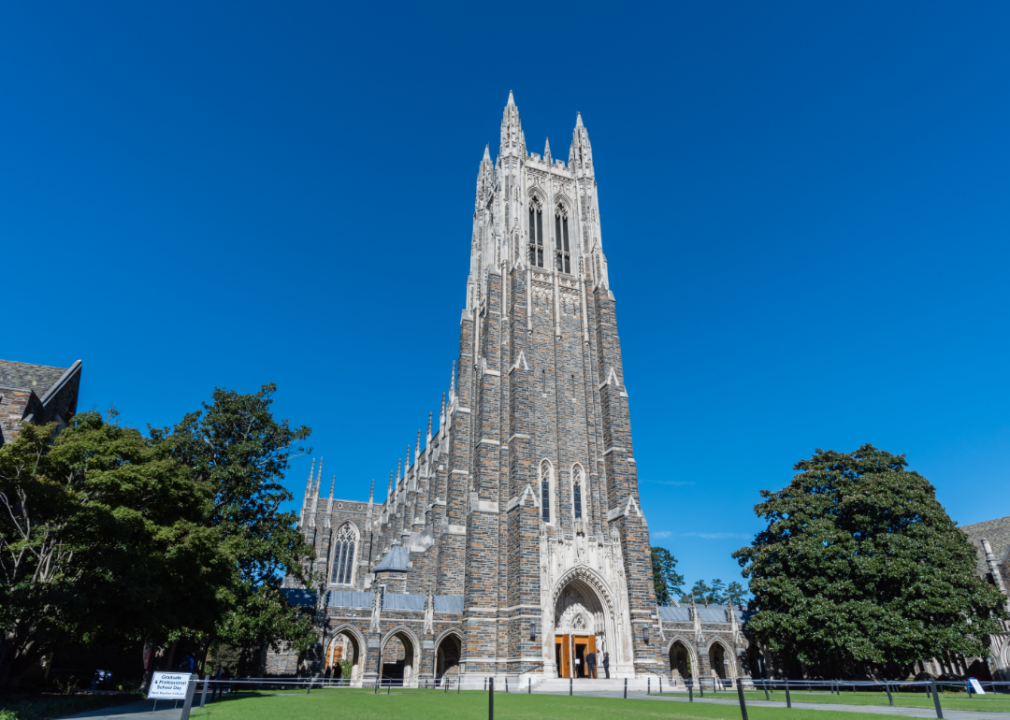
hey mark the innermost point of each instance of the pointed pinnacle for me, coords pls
(547, 147)
(429, 424)
(487, 153)
(417, 445)
(319, 479)
(398, 461)
(452, 380)
(371, 491)
(312, 474)
(511, 100)
(578, 119)
(333, 483)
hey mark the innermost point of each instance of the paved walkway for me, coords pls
(899, 711)
(141, 710)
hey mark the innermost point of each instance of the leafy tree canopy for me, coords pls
(237, 448)
(101, 533)
(860, 563)
(718, 593)
(665, 576)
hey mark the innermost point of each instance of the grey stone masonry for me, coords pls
(513, 542)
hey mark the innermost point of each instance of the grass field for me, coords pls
(473, 705)
(959, 701)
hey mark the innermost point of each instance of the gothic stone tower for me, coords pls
(557, 548)
(513, 543)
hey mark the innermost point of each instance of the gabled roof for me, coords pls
(706, 614)
(997, 532)
(23, 376)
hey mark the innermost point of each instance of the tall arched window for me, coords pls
(546, 471)
(564, 255)
(343, 555)
(578, 488)
(536, 233)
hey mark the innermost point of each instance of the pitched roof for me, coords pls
(22, 376)
(997, 532)
(396, 559)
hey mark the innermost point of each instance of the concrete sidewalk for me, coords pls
(871, 709)
(140, 710)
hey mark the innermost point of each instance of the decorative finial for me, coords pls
(452, 380)
(333, 482)
(390, 492)
(406, 462)
(398, 461)
(312, 474)
(429, 425)
(511, 100)
(547, 150)
(417, 444)
(319, 478)
(371, 491)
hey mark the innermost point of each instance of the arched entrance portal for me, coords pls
(680, 661)
(399, 658)
(447, 655)
(580, 629)
(717, 658)
(344, 649)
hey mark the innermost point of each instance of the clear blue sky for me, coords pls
(805, 209)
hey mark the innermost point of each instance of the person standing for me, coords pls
(606, 664)
(591, 665)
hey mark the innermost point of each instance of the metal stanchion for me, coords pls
(459, 684)
(490, 700)
(690, 690)
(660, 684)
(625, 688)
(765, 683)
(203, 695)
(789, 700)
(936, 699)
(530, 692)
(648, 686)
(743, 704)
(187, 706)
(890, 700)
(570, 686)
(701, 687)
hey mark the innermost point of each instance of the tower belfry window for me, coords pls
(562, 251)
(577, 492)
(536, 233)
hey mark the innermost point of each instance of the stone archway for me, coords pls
(345, 644)
(448, 650)
(399, 658)
(682, 665)
(719, 659)
(582, 625)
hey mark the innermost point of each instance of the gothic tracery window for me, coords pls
(577, 491)
(536, 233)
(562, 252)
(545, 491)
(343, 555)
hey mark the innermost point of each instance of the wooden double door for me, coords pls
(568, 649)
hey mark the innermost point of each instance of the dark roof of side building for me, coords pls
(23, 376)
(997, 532)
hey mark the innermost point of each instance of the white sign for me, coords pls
(168, 686)
(976, 687)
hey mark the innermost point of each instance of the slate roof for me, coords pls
(299, 596)
(396, 559)
(349, 598)
(22, 376)
(997, 532)
(706, 613)
(449, 603)
(402, 601)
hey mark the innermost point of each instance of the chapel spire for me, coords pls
(547, 151)
(513, 142)
(580, 154)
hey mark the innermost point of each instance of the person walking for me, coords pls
(606, 664)
(591, 665)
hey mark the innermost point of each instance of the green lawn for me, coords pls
(473, 705)
(958, 701)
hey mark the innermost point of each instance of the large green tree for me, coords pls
(240, 451)
(665, 577)
(102, 534)
(859, 564)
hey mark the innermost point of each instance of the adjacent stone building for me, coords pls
(36, 394)
(512, 541)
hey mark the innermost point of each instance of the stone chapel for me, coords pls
(512, 541)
